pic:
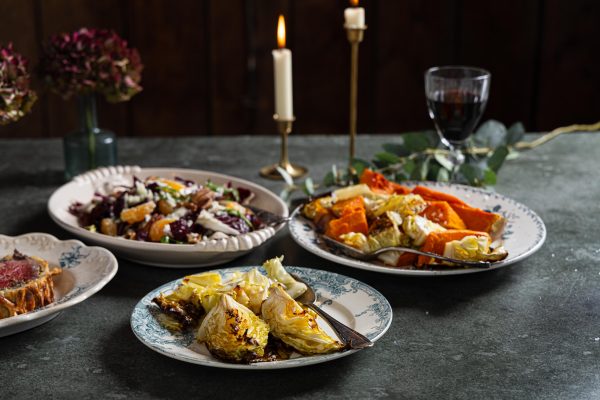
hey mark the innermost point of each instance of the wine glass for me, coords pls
(456, 99)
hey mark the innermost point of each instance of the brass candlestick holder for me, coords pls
(355, 35)
(284, 126)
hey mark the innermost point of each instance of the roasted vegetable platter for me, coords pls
(449, 219)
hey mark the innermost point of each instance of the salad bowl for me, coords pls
(204, 253)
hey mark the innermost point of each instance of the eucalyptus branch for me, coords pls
(416, 156)
(556, 132)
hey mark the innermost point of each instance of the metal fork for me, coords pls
(267, 217)
(355, 253)
(349, 337)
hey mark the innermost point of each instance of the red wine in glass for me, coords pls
(456, 97)
(455, 113)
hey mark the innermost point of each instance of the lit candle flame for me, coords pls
(354, 3)
(281, 32)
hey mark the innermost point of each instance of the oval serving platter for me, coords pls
(523, 235)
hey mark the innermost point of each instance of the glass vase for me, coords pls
(89, 147)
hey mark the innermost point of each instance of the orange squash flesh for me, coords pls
(434, 195)
(348, 206)
(379, 184)
(436, 242)
(477, 219)
(406, 259)
(354, 222)
(442, 213)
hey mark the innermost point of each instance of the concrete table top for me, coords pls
(530, 330)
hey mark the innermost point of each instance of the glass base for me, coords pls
(81, 155)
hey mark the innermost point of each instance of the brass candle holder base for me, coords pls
(284, 126)
(355, 35)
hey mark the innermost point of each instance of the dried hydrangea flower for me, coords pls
(16, 99)
(91, 61)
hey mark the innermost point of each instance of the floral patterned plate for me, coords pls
(85, 270)
(524, 233)
(350, 301)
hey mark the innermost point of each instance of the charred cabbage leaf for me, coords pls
(294, 325)
(277, 272)
(474, 248)
(233, 332)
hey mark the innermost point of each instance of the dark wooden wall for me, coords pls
(208, 65)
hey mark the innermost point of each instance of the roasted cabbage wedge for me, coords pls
(233, 332)
(475, 248)
(277, 272)
(295, 325)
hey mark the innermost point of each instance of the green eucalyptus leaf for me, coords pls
(415, 141)
(495, 161)
(360, 165)
(285, 194)
(308, 187)
(286, 176)
(443, 175)
(490, 134)
(515, 133)
(433, 170)
(329, 179)
(444, 159)
(419, 173)
(387, 158)
(409, 167)
(489, 177)
(397, 149)
(472, 173)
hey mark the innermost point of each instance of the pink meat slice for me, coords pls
(13, 272)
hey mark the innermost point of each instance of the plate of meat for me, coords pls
(40, 276)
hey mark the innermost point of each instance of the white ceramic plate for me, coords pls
(523, 235)
(350, 301)
(209, 252)
(85, 270)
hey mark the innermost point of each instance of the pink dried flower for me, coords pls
(16, 99)
(91, 61)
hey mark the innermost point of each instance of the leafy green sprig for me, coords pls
(418, 156)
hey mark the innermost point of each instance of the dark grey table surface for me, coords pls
(530, 330)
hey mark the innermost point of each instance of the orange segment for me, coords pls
(157, 231)
(137, 213)
(172, 184)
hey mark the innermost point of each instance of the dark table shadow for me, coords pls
(145, 372)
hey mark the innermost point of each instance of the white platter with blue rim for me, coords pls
(523, 235)
(85, 270)
(205, 253)
(350, 301)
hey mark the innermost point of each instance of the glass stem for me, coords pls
(458, 159)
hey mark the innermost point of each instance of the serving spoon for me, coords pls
(349, 337)
(355, 253)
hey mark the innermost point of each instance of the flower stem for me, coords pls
(89, 125)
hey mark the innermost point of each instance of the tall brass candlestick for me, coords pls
(355, 35)
(284, 126)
